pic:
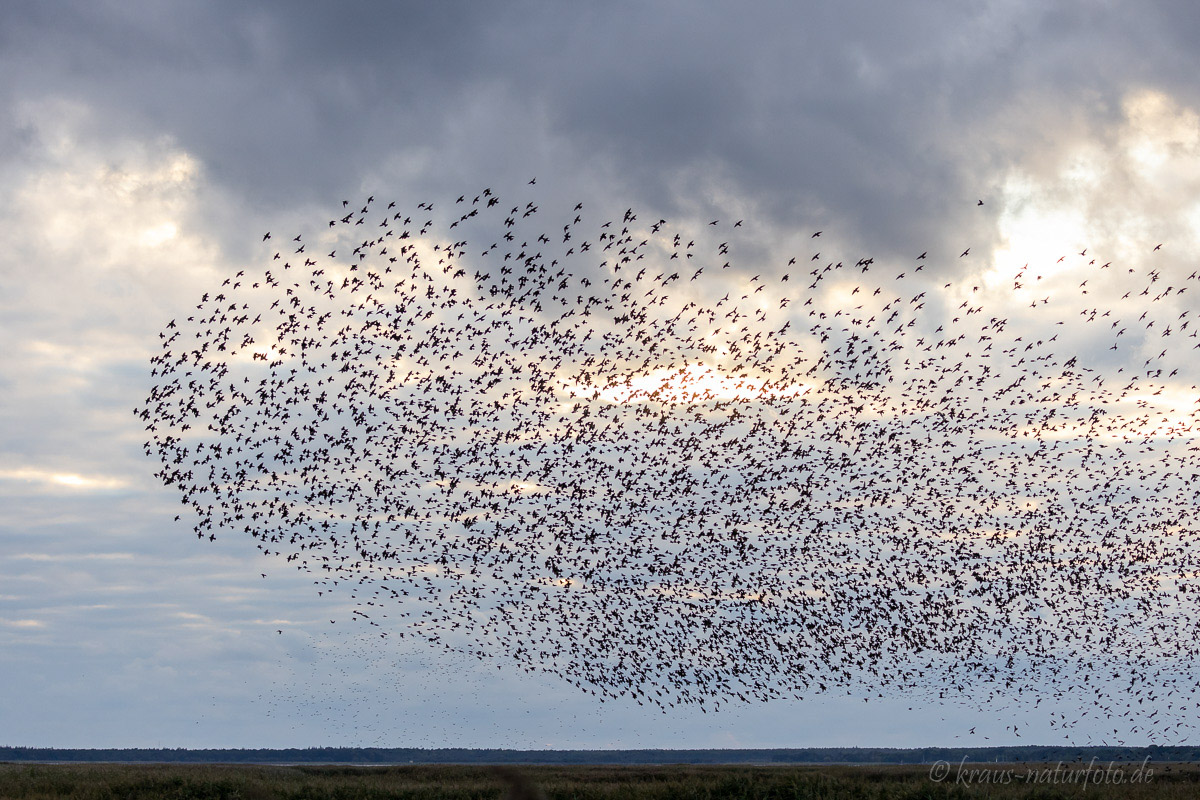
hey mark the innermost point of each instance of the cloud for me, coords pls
(67, 480)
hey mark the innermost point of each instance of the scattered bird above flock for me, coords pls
(544, 443)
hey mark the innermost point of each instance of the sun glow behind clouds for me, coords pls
(1035, 232)
(153, 237)
(1115, 192)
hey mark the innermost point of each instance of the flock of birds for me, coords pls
(611, 453)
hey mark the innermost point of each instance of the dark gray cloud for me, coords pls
(867, 106)
(863, 107)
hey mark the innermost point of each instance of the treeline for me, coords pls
(400, 755)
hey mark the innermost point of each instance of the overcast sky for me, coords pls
(145, 147)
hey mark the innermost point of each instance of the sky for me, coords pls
(146, 147)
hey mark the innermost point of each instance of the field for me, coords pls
(182, 782)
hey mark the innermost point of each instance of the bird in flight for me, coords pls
(522, 433)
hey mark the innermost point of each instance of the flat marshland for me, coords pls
(183, 781)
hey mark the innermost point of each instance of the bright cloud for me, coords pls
(68, 480)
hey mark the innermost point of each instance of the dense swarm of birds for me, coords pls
(560, 445)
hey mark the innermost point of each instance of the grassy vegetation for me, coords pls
(188, 781)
